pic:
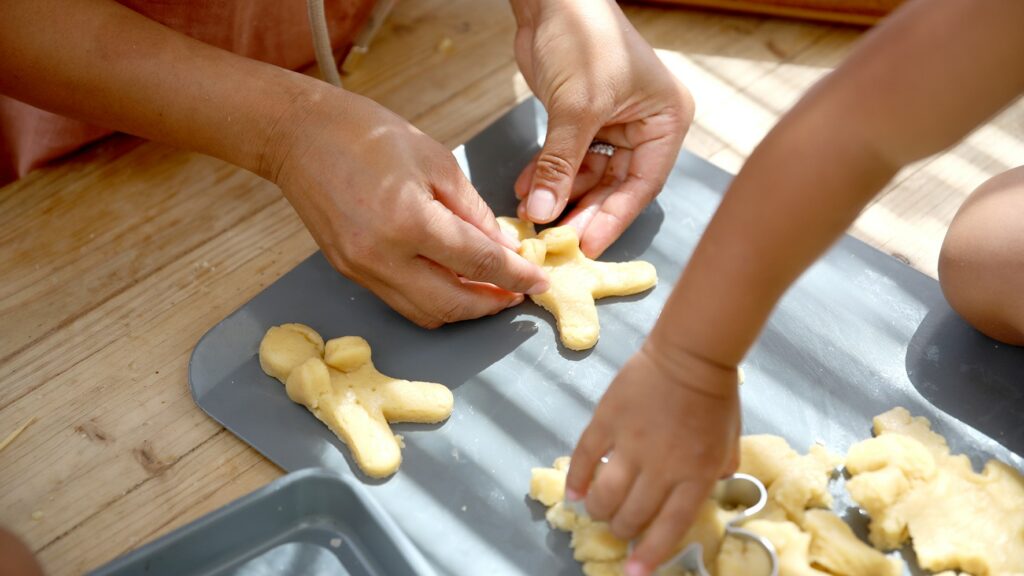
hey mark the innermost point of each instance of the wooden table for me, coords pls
(115, 262)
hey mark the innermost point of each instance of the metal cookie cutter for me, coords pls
(736, 491)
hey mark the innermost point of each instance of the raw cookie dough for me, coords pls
(338, 383)
(592, 542)
(794, 482)
(809, 539)
(912, 487)
(810, 542)
(576, 281)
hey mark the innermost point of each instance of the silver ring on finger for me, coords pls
(602, 148)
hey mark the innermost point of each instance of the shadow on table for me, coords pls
(973, 378)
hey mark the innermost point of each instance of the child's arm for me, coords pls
(914, 86)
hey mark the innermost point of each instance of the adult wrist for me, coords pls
(287, 123)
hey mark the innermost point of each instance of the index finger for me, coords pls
(459, 196)
(464, 249)
(594, 443)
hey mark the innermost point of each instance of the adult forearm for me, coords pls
(98, 61)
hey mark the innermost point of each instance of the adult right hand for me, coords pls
(598, 79)
(390, 209)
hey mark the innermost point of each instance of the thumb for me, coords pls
(559, 160)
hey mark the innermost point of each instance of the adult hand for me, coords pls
(391, 210)
(670, 425)
(598, 79)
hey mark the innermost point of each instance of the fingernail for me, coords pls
(541, 205)
(539, 288)
(515, 302)
(635, 568)
(572, 494)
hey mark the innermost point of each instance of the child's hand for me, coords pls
(669, 424)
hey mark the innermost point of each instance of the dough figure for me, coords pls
(810, 541)
(912, 487)
(338, 383)
(576, 281)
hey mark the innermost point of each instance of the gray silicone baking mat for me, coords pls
(859, 334)
(312, 522)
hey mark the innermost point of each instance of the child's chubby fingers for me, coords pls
(732, 464)
(668, 528)
(594, 443)
(608, 489)
(640, 507)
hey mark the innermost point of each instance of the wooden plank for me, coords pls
(859, 12)
(217, 472)
(103, 231)
(724, 59)
(124, 415)
(407, 72)
(910, 219)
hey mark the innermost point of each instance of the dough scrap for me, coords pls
(792, 546)
(593, 544)
(576, 281)
(338, 383)
(913, 488)
(794, 482)
(835, 548)
(799, 482)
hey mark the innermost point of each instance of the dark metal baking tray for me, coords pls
(858, 334)
(312, 522)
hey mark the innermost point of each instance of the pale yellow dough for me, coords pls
(576, 281)
(959, 521)
(913, 488)
(338, 383)
(810, 541)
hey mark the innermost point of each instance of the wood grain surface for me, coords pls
(861, 12)
(115, 262)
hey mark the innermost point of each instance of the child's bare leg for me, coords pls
(981, 266)
(15, 558)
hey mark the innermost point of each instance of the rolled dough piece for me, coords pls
(340, 386)
(576, 281)
(913, 488)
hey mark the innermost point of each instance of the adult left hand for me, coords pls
(599, 80)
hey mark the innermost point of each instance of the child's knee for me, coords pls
(981, 266)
